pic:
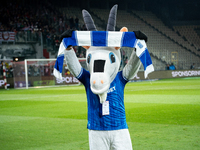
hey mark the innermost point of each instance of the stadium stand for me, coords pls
(43, 23)
(156, 23)
(189, 33)
(164, 44)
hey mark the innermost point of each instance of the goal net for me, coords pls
(39, 72)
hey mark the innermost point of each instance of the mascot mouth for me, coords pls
(99, 82)
(99, 89)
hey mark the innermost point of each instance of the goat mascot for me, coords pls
(104, 83)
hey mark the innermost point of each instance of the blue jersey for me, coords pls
(115, 95)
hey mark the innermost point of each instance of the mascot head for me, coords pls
(103, 62)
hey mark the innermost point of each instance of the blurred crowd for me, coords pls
(41, 18)
(22, 19)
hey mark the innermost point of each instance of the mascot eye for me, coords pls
(112, 57)
(89, 58)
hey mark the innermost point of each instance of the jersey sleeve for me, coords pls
(122, 78)
(84, 77)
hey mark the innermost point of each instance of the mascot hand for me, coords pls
(66, 34)
(140, 35)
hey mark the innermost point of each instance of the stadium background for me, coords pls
(161, 114)
(31, 29)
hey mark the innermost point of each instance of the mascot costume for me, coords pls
(104, 83)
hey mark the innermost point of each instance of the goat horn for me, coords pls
(112, 19)
(88, 21)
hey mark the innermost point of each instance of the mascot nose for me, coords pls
(94, 82)
(100, 82)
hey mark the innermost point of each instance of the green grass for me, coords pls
(161, 115)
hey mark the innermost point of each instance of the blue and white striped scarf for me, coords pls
(105, 39)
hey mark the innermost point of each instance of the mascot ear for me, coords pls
(86, 47)
(124, 29)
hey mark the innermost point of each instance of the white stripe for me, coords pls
(148, 70)
(114, 39)
(140, 50)
(83, 38)
(57, 74)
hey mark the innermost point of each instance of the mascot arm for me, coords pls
(72, 62)
(132, 67)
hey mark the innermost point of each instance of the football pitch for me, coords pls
(161, 115)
